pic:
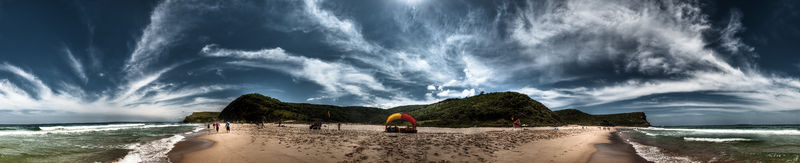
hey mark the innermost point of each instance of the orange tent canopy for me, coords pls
(402, 116)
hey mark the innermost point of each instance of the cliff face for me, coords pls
(577, 117)
(492, 109)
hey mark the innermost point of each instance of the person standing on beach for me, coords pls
(216, 125)
(228, 126)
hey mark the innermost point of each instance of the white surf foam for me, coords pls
(715, 140)
(654, 154)
(85, 128)
(154, 151)
(645, 132)
(728, 131)
(89, 127)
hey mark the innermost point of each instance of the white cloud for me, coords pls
(429, 62)
(140, 96)
(553, 99)
(76, 66)
(167, 23)
(757, 92)
(431, 88)
(42, 90)
(729, 40)
(342, 32)
(337, 79)
(455, 94)
(394, 101)
(476, 73)
(72, 99)
(648, 37)
(156, 37)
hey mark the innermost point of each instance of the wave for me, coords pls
(154, 151)
(89, 127)
(646, 133)
(715, 140)
(724, 131)
(11, 128)
(654, 154)
(84, 128)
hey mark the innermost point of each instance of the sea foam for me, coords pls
(727, 131)
(154, 151)
(83, 128)
(654, 154)
(715, 140)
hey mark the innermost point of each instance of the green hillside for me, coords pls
(492, 109)
(198, 117)
(252, 107)
(577, 117)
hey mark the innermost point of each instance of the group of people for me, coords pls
(216, 126)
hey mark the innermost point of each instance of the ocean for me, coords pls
(91, 142)
(738, 143)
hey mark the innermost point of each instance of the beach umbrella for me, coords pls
(402, 116)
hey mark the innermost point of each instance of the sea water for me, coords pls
(91, 142)
(739, 143)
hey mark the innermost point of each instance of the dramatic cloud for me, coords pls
(76, 66)
(337, 79)
(666, 58)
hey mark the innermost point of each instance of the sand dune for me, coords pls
(367, 143)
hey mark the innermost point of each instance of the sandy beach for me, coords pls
(367, 143)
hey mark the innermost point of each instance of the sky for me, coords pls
(680, 62)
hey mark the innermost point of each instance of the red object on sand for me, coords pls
(403, 116)
(410, 119)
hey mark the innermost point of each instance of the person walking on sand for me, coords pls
(216, 125)
(228, 126)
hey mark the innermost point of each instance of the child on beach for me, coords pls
(216, 125)
(228, 126)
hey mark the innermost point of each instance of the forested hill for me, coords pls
(577, 117)
(492, 109)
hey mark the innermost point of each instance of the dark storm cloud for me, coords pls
(169, 58)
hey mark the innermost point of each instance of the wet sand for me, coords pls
(577, 147)
(367, 143)
(616, 151)
(190, 144)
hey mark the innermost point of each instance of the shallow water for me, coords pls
(744, 143)
(90, 142)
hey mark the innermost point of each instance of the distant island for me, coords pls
(485, 110)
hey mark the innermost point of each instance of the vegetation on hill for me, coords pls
(624, 119)
(492, 109)
(199, 117)
(577, 117)
(256, 107)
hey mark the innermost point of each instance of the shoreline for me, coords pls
(574, 148)
(188, 145)
(617, 150)
(295, 143)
